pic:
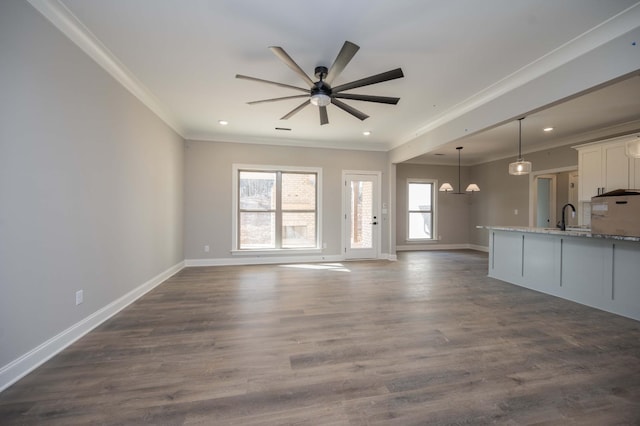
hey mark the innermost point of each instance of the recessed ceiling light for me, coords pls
(366, 132)
(548, 129)
(223, 122)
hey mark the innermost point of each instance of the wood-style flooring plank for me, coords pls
(429, 339)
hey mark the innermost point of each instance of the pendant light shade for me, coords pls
(520, 167)
(447, 187)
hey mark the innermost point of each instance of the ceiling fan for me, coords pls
(320, 93)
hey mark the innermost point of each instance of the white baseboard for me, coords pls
(271, 260)
(28, 362)
(479, 248)
(262, 260)
(421, 247)
(387, 256)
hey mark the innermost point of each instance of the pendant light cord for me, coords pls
(459, 179)
(459, 148)
(520, 139)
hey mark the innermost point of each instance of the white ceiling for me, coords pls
(608, 111)
(181, 58)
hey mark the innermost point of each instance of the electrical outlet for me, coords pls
(79, 297)
(515, 212)
(207, 248)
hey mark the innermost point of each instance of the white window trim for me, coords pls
(434, 210)
(234, 214)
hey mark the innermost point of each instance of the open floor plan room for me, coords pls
(240, 212)
(429, 339)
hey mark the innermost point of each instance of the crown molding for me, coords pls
(619, 130)
(297, 143)
(63, 19)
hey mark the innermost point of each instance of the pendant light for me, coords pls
(447, 187)
(520, 167)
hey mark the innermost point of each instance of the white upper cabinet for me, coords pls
(615, 167)
(604, 167)
(589, 172)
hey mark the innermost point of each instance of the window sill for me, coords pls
(275, 252)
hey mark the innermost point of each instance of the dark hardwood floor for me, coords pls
(429, 339)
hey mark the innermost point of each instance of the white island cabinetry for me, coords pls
(602, 272)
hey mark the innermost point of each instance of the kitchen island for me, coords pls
(598, 271)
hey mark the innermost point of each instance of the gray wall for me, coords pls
(208, 196)
(91, 185)
(562, 198)
(453, 209)
(501, 194)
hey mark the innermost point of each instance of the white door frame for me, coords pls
(553, 190)
(346, 198)
(533, 190)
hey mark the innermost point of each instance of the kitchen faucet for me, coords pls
(563, 224)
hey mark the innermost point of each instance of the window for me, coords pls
(421, 209)
(276, 208)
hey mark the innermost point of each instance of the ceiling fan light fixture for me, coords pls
(520, 167)
(320, 99)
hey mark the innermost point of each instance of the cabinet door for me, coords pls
(590, 169)
(615, 165)
(634, 176)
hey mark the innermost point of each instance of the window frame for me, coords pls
(433, 211)
(235, 228)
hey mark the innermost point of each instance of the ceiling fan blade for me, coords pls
(374, 79)
(295, 110)
(277, 99)
(246, 77)
(344, 56)
(368, 98)
(351, 110)
(324, 118)
(284, 57)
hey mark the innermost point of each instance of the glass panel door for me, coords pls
(361, 216)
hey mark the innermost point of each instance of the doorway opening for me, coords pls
(545, 196)
(549, 190)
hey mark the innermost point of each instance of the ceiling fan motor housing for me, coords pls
(321, 72)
